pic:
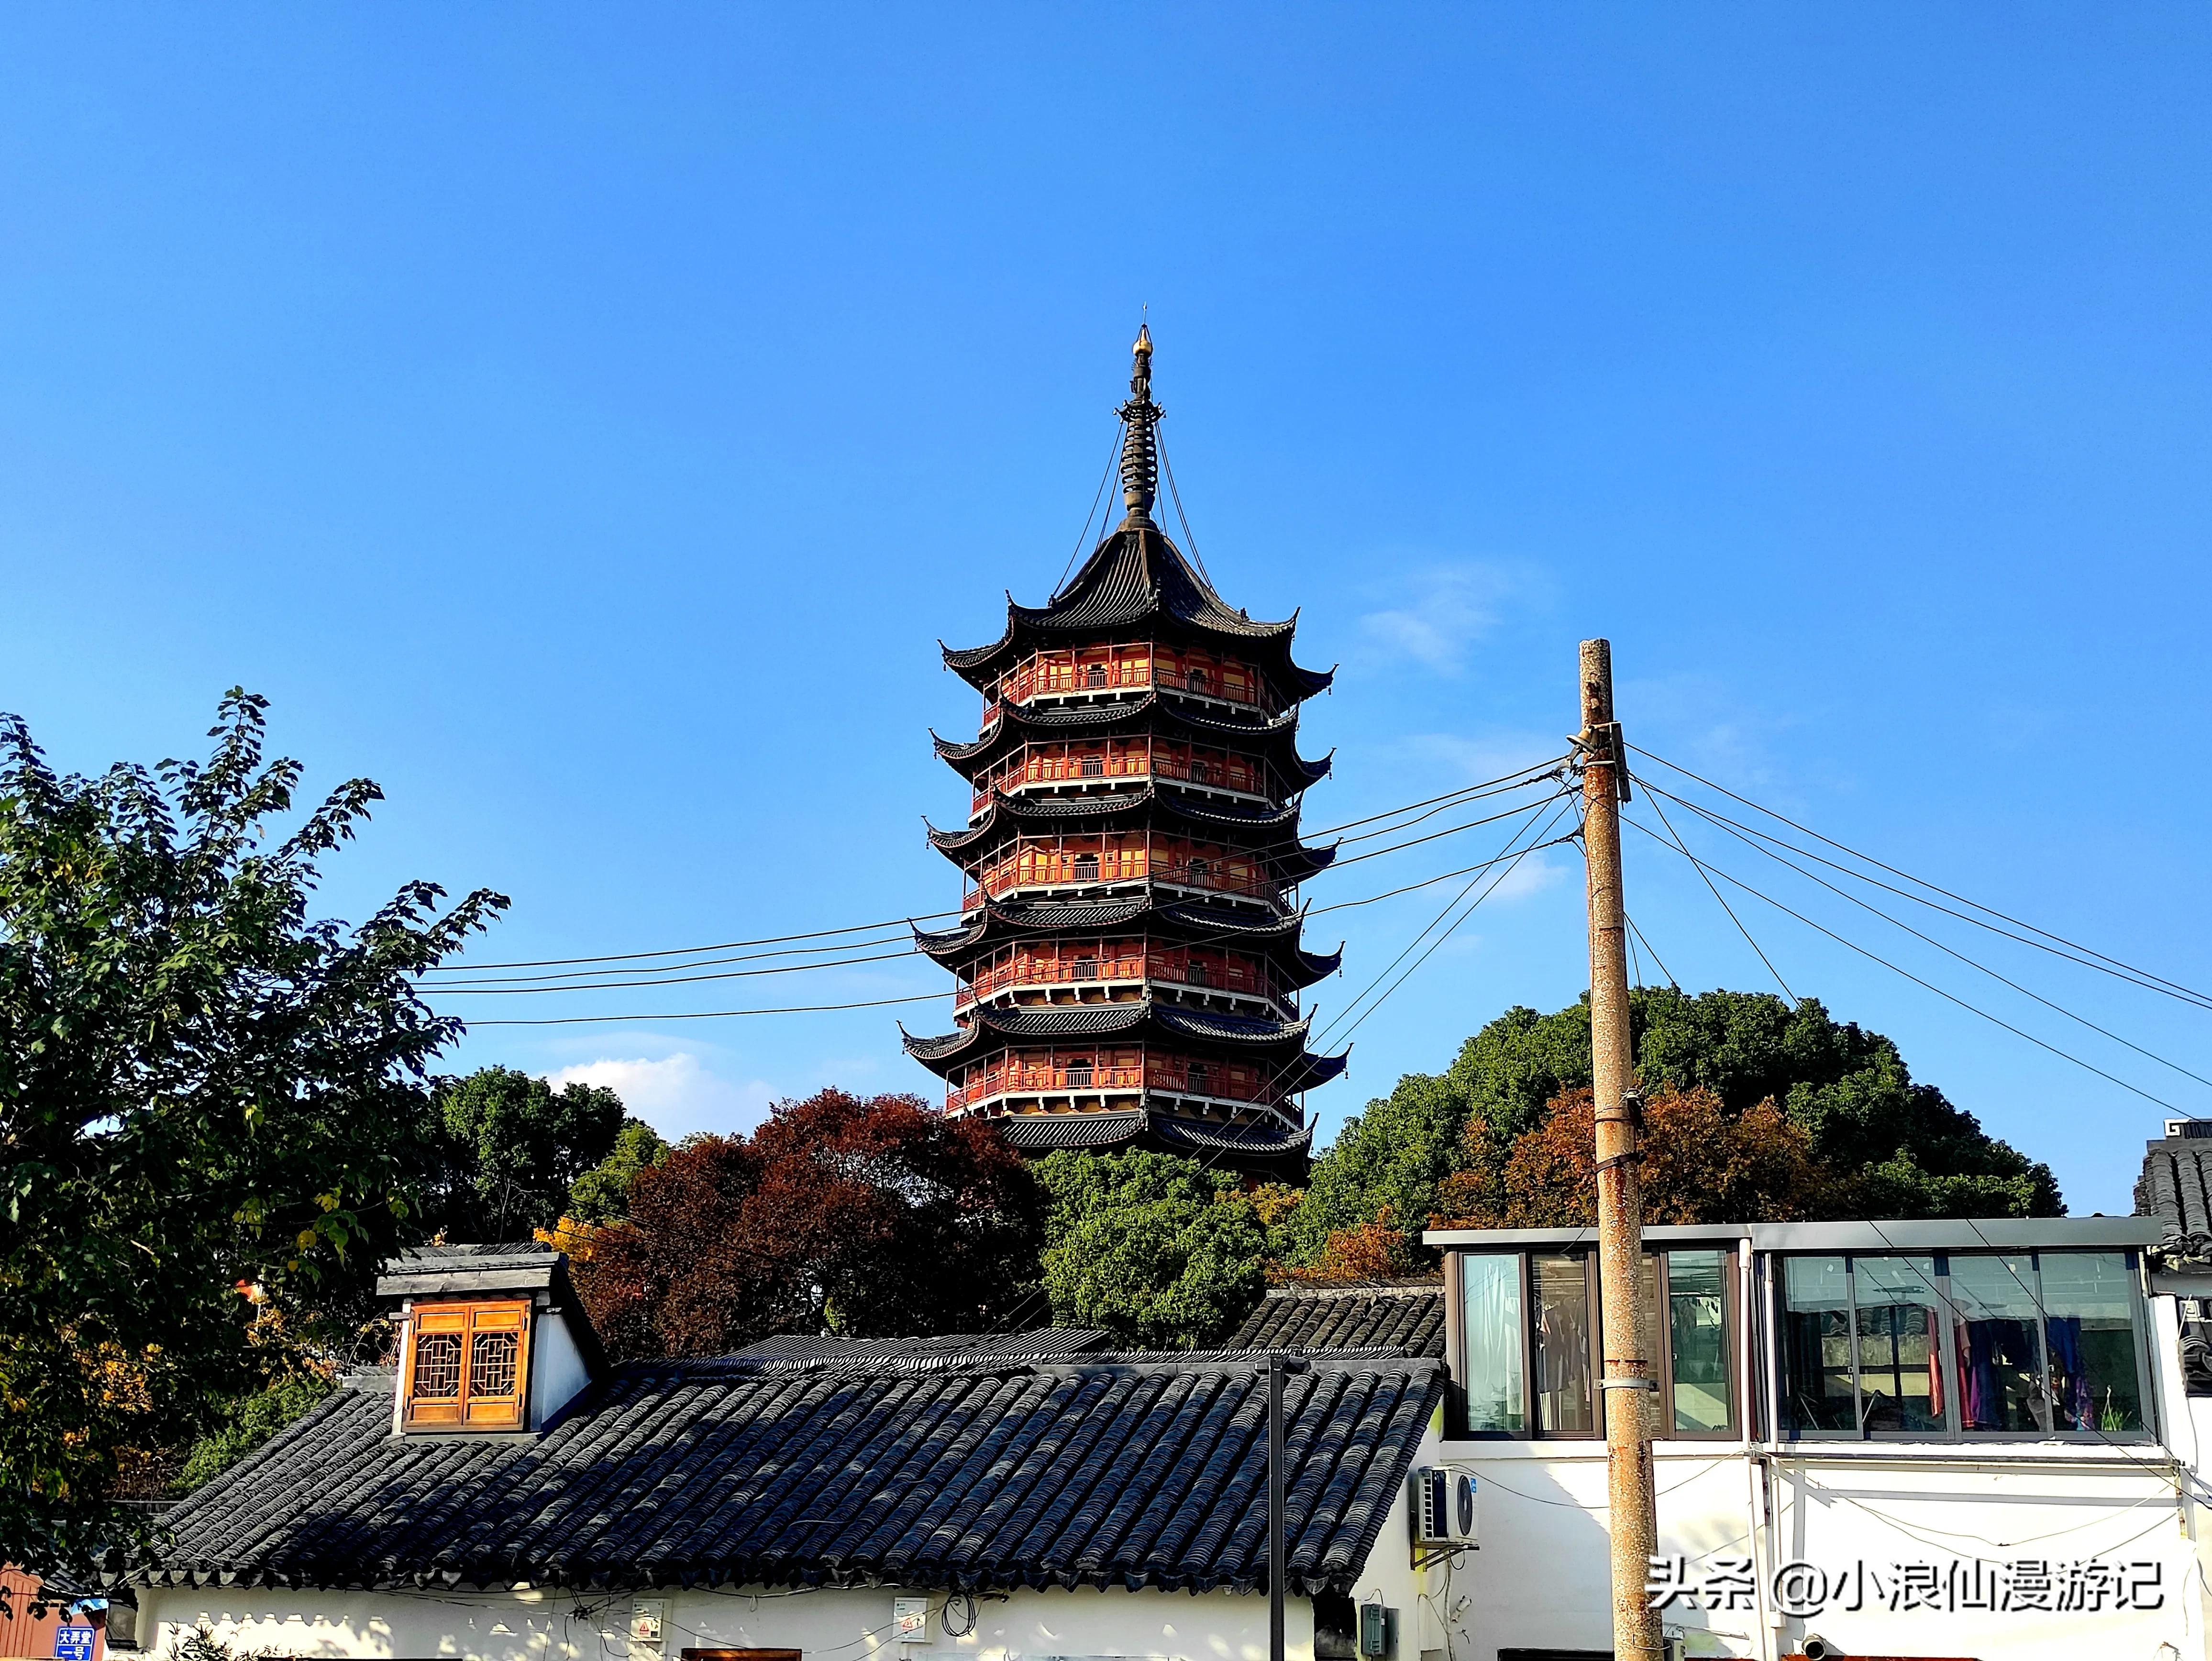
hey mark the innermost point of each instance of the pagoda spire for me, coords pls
(1141, 455)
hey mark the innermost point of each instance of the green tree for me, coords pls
(1160, 1250)
(1892, 1147)
(1393, 1158)
(601, 1194)
(516, 1145)
(202, 1088)
(246, 1422)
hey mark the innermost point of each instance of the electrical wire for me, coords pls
(1430, 882)
(1427, 882)
(903, 934)
(708, 1014)
(2188, 992)
(1500, 785)
(671, 975)
(1741, 830)
(1951, 997)
(1725, 906)
(1449, 905)
(1971, 962)
(1639, 934)
(670, 980)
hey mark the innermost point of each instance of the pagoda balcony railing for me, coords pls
(1104, 971)
(1013, 874)
(1246, 781)
(1039, 679)
(1023, 1080)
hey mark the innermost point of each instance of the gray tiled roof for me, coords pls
(973, 1472)
(1137, 575)
(1042, 1342)
(1101, 1020)
(1407, 1316)
(2176, 1183)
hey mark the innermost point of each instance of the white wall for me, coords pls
(1542, 1578)
(834, 1624)
(556, 1365)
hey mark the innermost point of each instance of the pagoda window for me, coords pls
(1196, 973)
(1085, 969)
(1194, 1078)
(1096, 675)
(1197, 679)
(1078, 1074)
(1086, 867)
(1094, 767)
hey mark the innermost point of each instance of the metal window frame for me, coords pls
(1777, 1279)
(1734, 1356)
(1952, 1431)
(1737, 1339)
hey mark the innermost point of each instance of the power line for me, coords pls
(674, 980)
(1971, 962)
(669, 980)
(1725, 906)
(1447, 933)
(2188, 992)
(1503, 783)
(670, 969)
(1638, 934)
(1930, 986)
(1737, 827)
(670, 976)
(711, 1014)
(1446, 910)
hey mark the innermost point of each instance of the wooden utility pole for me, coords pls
(1628, 1375)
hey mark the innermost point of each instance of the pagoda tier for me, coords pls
(1072, 750)
(1128, 956)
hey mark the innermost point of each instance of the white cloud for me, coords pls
(676, 1095)
(1449, 607)
(1530, 877)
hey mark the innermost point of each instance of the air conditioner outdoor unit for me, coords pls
(1447, 1506)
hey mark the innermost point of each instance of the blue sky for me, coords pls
(585, 421)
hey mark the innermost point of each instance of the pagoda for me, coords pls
(1128, 951)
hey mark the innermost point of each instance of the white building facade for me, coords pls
(1955, 1439)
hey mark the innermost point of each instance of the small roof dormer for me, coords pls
(492, 1337)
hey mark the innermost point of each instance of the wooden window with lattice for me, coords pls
(468, 1366)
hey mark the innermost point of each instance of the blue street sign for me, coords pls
(73, 1643)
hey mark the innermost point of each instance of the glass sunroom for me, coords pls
(1924, 1331)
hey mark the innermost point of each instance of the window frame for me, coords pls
(466, 1410)
(1946, 1311)
(1735, 1351)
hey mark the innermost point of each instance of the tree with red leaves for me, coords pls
(866, 1218)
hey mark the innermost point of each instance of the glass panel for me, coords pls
(1816, 1345)
(1564, 1407)
(1492, 1289)
(1697, 1325)
(1993, 1307)
(2088, 1333)
(1900, 1354)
